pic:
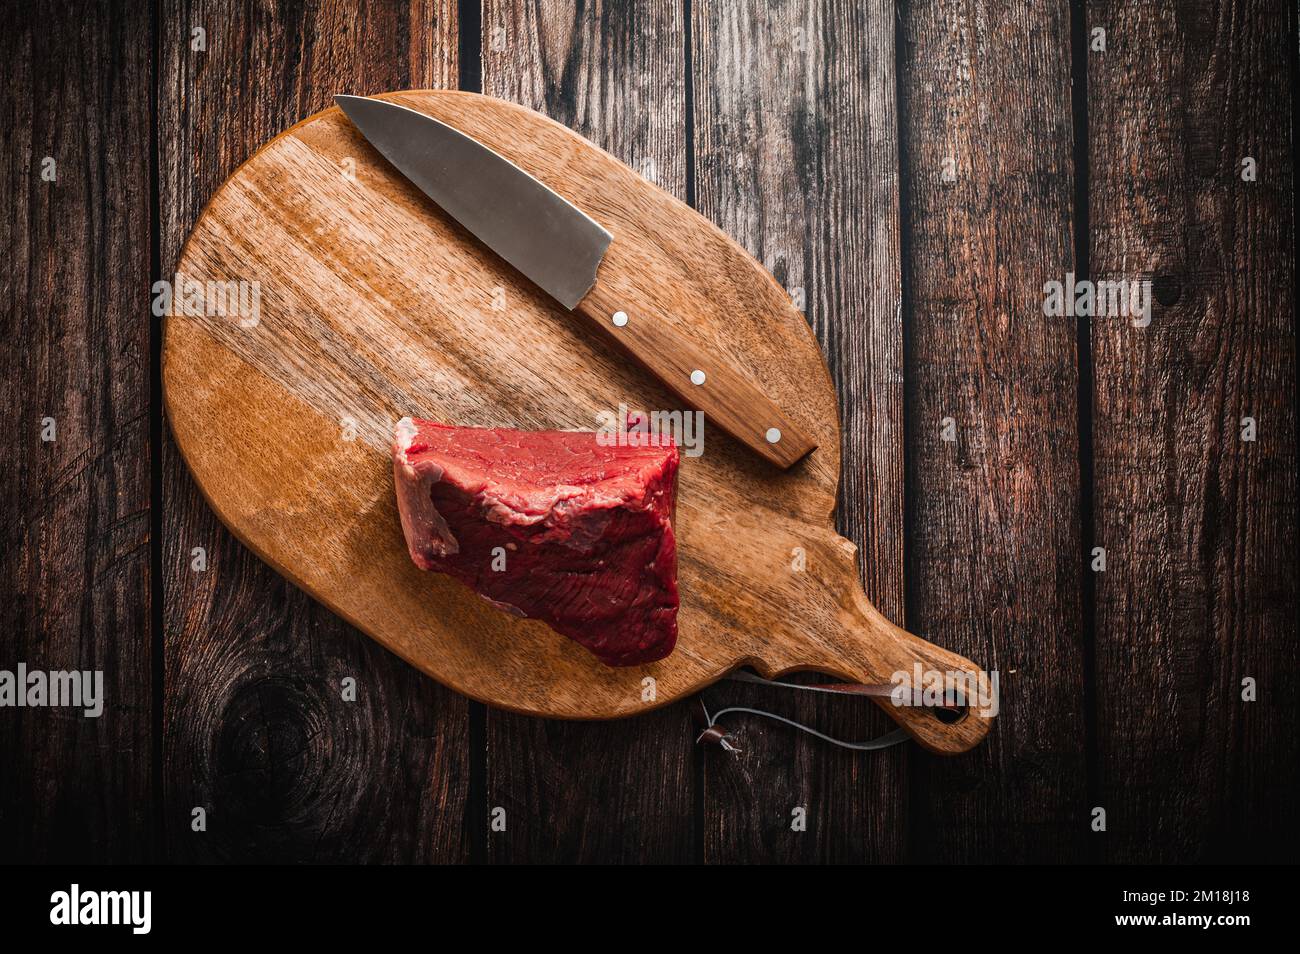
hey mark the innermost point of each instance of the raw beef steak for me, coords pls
(585, 531)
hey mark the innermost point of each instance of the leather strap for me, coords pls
(714, 733)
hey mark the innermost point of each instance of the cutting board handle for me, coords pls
(850, 639)
(932, 675)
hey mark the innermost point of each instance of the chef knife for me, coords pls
(559, 248)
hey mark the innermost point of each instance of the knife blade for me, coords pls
(559, 248)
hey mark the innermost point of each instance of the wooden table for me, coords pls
(914, 177)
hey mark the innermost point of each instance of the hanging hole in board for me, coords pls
(954, 709)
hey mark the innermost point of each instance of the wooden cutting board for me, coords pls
(370, 304)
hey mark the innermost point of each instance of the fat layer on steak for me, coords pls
(551, 525)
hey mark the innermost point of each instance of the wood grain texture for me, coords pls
(74, 563)
(996, 562)
(1200, 525)
(796, 154)
(620, 791)
(797, 159)
(256, 727)
(377, 305)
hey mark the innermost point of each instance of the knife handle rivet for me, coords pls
(697, 377)
(773, 435)
(620, 319)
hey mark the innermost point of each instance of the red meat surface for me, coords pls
(586, 530)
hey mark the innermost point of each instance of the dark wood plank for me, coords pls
(618, 791)
(257, 731)
(74, 564)
(796, 157)
(1200, 526)
(995, 571)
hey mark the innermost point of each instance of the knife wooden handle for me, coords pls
(728, 398)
